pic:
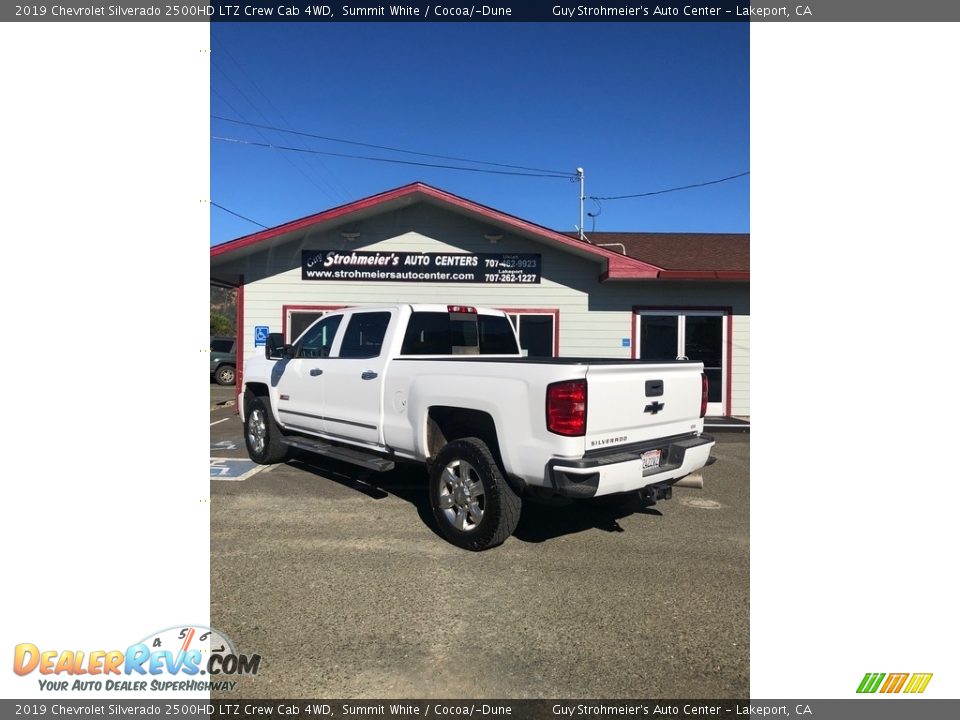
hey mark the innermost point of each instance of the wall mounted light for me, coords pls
(349, 235)
(493, 239)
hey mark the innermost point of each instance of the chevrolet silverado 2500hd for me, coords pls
(447, 385)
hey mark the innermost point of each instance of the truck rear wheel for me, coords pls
(262, 435)
(473, 504)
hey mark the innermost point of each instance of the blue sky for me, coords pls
(640, 106)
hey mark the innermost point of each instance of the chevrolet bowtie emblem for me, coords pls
(653, 408)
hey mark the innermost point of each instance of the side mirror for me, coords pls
(275, 347)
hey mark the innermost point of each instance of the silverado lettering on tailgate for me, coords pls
(608, 441)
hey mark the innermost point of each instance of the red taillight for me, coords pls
(567, 408)
(704, 387)
(462, 309)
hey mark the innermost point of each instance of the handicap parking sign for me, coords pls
(260, 333)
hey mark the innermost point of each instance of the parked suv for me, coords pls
(223, 360)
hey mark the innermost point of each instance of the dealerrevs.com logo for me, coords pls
(184, 658)
(894, 683)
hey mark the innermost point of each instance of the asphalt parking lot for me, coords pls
(338, 578)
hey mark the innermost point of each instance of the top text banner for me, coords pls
(464, 11)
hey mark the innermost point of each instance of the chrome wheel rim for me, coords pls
(257, 430)
(227, 376)
(461, 495)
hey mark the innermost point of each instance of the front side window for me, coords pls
(318, 340)
(300, 320)
(364, 335)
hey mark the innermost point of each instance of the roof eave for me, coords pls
(659, 274)
(728, 275)
(614, 263)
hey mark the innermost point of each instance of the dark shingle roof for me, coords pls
(708, 252)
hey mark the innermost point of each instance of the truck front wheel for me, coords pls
(473, 504)
(264, 440)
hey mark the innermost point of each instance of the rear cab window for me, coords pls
(456, 333)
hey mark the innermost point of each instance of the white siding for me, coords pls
(741, 365)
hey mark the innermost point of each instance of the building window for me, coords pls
(297, 318)
(537, 331)
(687, 334)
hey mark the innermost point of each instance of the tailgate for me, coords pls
(632, 402)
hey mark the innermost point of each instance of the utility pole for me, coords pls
(582, 198)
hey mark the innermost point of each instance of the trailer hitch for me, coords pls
(660, 491)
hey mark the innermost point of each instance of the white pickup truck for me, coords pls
(447, 385)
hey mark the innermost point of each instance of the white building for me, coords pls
(628, 295)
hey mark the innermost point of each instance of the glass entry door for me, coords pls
(699, 335)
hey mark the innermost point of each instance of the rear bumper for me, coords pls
(620, 470)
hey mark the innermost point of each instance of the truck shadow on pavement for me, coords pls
(539, 521)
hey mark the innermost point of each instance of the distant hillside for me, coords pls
(223, 311)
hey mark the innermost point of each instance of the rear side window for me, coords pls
(441, 333)
(221, 346)
(428, 333)
(364, 336)
(496, 336)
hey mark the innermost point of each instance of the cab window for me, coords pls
(444, 333)
(317, 341)
(364, 335)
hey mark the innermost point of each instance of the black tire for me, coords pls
(225, 375)
(495, 511)
(262, 435)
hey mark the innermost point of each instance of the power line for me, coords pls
(329, 192)
(334, 181)
(391, 149)
(386, 160)
(236, 214)
(670, 190)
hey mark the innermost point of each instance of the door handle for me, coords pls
(315, 371)
(368, 375)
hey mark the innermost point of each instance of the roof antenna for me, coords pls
(582, 198)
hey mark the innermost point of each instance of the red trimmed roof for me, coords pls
(630, 266)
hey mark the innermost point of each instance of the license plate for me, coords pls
(651, 459)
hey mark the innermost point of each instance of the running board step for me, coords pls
(368, 460)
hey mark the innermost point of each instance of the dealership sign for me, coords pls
(392, 266)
